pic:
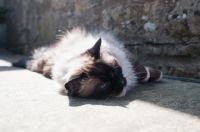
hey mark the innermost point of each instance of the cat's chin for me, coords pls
(122, 94)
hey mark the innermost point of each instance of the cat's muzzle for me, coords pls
(72, 86)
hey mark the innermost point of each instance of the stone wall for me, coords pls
(3, 33)
(163, 33)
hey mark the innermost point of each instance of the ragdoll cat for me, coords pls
(90, 65)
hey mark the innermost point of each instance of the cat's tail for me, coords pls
(22, 63)
(147, 74)
(153, 74)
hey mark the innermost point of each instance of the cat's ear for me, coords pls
(115, 64)
(95, 50)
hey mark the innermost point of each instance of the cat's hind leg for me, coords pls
(22, 63)
(39, 65)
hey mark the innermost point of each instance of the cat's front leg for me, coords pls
(147, 74)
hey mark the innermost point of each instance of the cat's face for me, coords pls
(98, 80)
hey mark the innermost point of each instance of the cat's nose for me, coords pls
(122, 82)
(67, 88)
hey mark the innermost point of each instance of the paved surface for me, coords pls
(29, 102)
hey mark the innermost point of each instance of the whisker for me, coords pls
(89, 81)
(110, 96)
(113, 95)
(135, 57)
(140, 73)
(133, 80)
(128, 72)
(137, 66)
(132, 77)
(141, 63)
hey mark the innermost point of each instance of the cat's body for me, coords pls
(91, 65)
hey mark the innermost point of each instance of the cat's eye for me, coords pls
(105, 85)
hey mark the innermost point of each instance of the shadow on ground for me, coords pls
(7, 68)
(175, 95)
(6, 62)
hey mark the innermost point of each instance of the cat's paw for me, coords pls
(153, 74)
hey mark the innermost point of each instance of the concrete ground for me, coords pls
(29, 102)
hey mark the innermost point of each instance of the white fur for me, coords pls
(161, 76)
(78, 41)
(148, 75)
(123, 93)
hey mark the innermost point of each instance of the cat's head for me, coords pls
(97, 79)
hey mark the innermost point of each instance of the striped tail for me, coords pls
(147, 74)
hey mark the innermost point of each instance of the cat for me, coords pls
(90, 65)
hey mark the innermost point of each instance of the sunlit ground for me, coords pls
(30, 102)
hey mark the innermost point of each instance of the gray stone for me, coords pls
(1, 2)
(3, 28)
(153, 27)
(3, 35)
